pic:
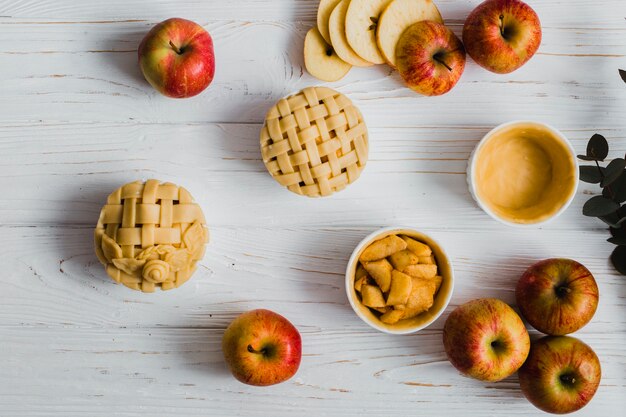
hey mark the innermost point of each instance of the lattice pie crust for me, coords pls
(315, 142)
(150, 235)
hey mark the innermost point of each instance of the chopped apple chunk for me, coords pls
(421, 298)
(372, 296)
(418, 248)
(403, 258)
(400, 288)
(397, 278)
(383, 248)
(359, 283)
(427, 260)
(381, 272)
(421, 271)
(360, 272)
(392, 316)
(438, 280)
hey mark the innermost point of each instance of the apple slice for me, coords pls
(324, 10)
(396, 18)
(421, 270)
(372, 296)
(403, 258)
(382, 248)
(418, 248)
(337, 27)
(381, 272)
(358, 284)
(400, 290)
(361, 24)
(392, 316)
(421, 298)
(320, 59)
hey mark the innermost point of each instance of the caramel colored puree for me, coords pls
(525, 173)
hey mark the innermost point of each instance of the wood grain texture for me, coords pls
(77, 120)
(88, 71)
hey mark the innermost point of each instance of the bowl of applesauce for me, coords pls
(523, 173)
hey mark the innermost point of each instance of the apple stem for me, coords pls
(568, 379)
(502, 25)
(175, 48)
(562, 291)
(443, 63)
(253, 350)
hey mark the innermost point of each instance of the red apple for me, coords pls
(486, 339)
(561, 374)
(262, 348)
(177, 58)
(502, 35)
(557, 296)
(430, 58)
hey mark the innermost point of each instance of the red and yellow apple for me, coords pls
(502, 35)
(176, 57)
(557, 296)
(561, 374)
(430, 58)
(486, 339)
(262, 348)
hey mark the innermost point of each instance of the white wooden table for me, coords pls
(77, 120)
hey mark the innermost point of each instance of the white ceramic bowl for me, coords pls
(423, 320)
(568, 193)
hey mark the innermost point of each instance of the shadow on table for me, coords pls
(122, 57)
(75, 239)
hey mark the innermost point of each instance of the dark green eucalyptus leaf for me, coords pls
(618, 188)
(620, 241)
(618, 258)
(618, 232)
(613, 171)
(587, 158)
(616, 224)
(599, 206)
(591, 174)
(597, 147)
(622, 74)
(611, 220)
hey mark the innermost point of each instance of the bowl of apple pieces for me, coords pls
(399, 280)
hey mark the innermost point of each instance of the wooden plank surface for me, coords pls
(77, 120)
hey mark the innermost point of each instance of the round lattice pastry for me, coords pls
(315, 142)
(150, 235)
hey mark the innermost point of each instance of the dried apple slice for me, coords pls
(320, 59)
(361, 25)
(396, 18)
(324, 10)
(337, 28)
